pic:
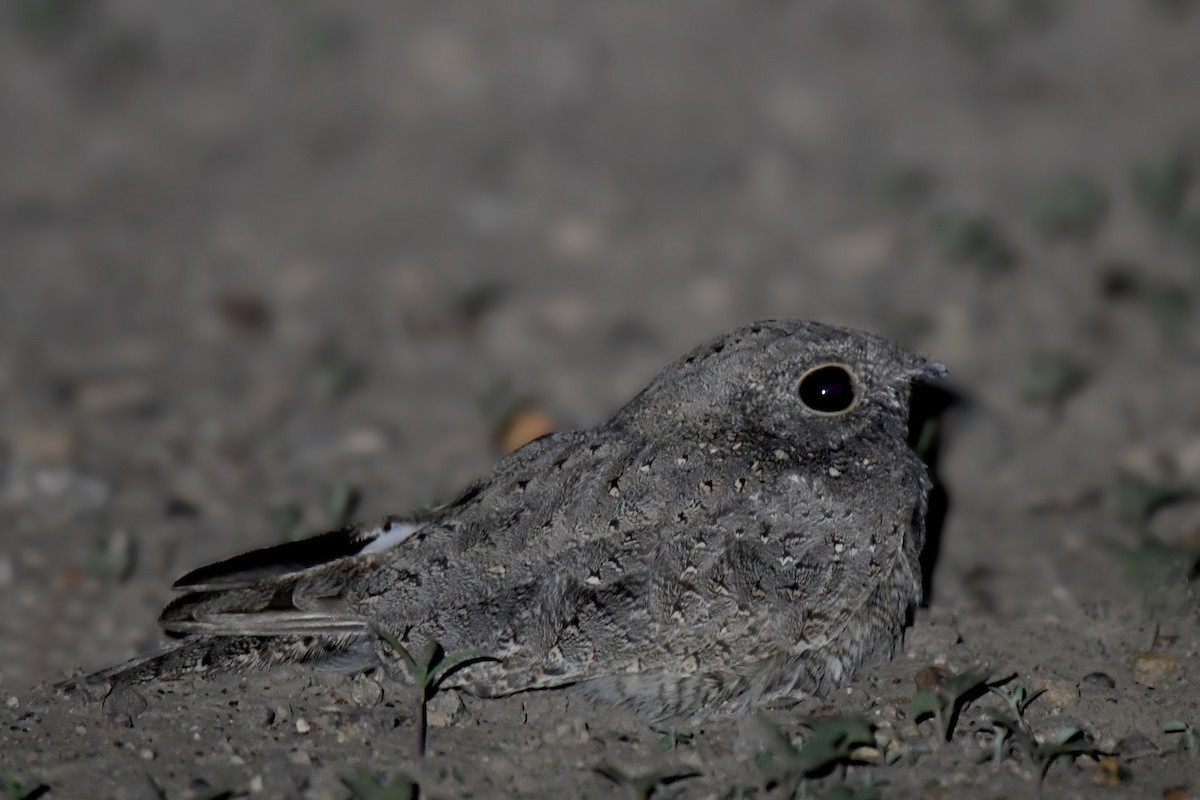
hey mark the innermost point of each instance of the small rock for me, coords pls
(124, 704)
(888, 712)
(445, 709)
(302, 726)
(573, 732)
(1100, 679)
(521, 427)
(865, 753)
(146, 754)
(1109, 772)
(1152, 667)
(1056, 692)
(366, 692)
(931, 678)
(42, 444)
(300, 758)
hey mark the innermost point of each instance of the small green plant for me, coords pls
(1011, 736)
(16, 789)
(653, 784)
(1010, 733)
(831, 744)
(365, 786)
(428, 671)
(946, 703)
(671, 738)
(1017, 697)
(1003, 727)
(1189, 737)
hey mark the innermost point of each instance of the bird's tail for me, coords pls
(203, 655)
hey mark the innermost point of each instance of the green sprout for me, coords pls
(1189, 737)
(428, 671)
(832, 743)
(945, 705)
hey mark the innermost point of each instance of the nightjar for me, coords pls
(747, 528)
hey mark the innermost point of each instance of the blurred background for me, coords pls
(267, 267)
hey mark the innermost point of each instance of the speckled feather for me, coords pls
(715, 545)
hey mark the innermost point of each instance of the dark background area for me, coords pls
(259, 259)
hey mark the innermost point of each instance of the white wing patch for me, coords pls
(390, 535)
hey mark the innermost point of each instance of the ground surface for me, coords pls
(253, 255)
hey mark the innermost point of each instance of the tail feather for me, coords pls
(267, 607)
(199, 655)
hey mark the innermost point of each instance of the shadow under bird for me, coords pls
(747, 528)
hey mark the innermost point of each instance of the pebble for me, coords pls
(42, 444)
(366, 692)
(445, 709)
(302, 726)
(1151, 667)
(573, 732)
(1056, 692)
(521, 427)
(1101, 679)
(931, 678)
(124, 703)
(1108, 772)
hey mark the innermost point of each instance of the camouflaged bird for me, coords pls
(747, 528)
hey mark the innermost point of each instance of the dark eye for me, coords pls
(827, 390)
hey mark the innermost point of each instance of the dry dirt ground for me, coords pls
(260, 258)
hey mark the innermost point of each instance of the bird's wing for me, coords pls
(251, 568)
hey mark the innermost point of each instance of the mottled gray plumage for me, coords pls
(714, 545)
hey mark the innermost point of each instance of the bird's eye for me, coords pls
(828, 389)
